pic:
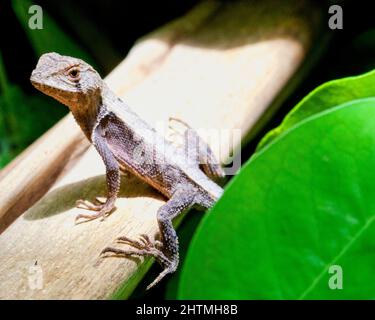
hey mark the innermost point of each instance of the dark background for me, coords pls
(106, 30)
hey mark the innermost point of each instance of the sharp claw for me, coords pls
(146, 240)
(143, 242)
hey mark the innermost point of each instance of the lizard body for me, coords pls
(126, 143)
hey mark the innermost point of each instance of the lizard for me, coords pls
(119, 135)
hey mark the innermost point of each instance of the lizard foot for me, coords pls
(101, 209)
(87, 205)
(144, 247)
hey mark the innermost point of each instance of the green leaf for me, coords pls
(326, 96)
(301, 205)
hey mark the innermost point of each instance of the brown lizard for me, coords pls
(126, 143)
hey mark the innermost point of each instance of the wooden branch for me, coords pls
(220, 67)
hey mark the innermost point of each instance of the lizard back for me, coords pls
(144, 152)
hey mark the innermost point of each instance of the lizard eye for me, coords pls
(74, 74)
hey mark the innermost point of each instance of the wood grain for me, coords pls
(218, 68)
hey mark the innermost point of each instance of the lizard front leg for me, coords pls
(112, 178)
(165, 253)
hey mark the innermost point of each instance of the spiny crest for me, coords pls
(66, 79)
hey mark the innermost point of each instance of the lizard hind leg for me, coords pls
(197, 150)
(144, 247)
(166, 252)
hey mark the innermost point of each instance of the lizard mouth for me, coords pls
(38, 83)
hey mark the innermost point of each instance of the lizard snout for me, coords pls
(35, 79)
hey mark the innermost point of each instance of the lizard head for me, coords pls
(69, 80)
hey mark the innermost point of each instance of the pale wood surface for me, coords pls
(220, 66)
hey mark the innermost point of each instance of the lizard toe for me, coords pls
(102, 213)
(87, 205)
